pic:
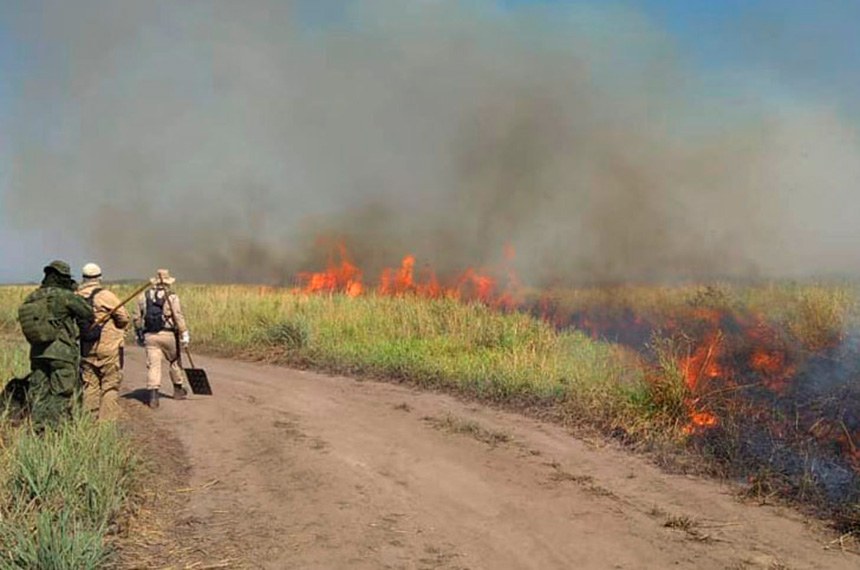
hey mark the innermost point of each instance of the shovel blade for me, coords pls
(198, 381)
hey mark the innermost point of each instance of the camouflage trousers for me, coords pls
(101, 387)
(52, 391)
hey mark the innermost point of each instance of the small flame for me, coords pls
(771, 365)
(701, 367)
(704, 363)
(700, 421)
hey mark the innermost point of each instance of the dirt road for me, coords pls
(299, 470)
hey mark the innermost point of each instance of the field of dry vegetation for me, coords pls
(756, 383)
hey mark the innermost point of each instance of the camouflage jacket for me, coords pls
(71, 312)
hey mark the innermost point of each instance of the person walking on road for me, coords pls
(159, 323)
(51, 318)
(102, 346)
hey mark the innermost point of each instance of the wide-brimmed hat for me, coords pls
(162, 277)
(60, 267)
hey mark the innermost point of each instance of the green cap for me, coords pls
(60, 267)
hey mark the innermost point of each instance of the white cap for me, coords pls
(91, 271)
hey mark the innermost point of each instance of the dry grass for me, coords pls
(13, 359)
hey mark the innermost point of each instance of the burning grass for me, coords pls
(484, 285)
(763, 381)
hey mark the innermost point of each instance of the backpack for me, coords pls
(37, 318)
(153, 318)
(13, 397)
(93, 332)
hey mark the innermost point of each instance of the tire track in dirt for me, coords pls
(293, 469)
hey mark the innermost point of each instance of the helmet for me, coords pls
(91, 271)
(60, 267)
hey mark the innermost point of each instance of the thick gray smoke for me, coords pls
(235, 140)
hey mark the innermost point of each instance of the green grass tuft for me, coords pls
(60, 492)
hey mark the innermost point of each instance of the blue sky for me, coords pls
(810, 46)
(809, 49)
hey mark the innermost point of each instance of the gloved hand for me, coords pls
(138, 333)
(185, 339)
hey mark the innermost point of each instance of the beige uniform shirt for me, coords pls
(113, 331)
(173, 318)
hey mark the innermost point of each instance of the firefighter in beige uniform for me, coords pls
(158, 320)
(101, 346)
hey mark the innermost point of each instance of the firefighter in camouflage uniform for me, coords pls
(51, 318)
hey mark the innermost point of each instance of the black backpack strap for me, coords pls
(92, 332)
(92, 297)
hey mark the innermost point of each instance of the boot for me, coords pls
(179, 392)
(153, 398)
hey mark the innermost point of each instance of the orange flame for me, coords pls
(341, 276)
(772, 367)
(344, 277)
(704, 363)
(699, 368)
(700, 421)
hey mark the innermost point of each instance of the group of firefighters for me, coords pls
(77, 337)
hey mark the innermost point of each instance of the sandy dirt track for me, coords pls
(293, 469)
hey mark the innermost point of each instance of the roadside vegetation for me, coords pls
(442, 344)
(63, 491)
(721, 379)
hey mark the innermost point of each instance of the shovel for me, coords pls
(197, 378)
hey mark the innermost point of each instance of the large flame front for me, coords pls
(343, 276)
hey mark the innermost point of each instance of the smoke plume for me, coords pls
(236, 141)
